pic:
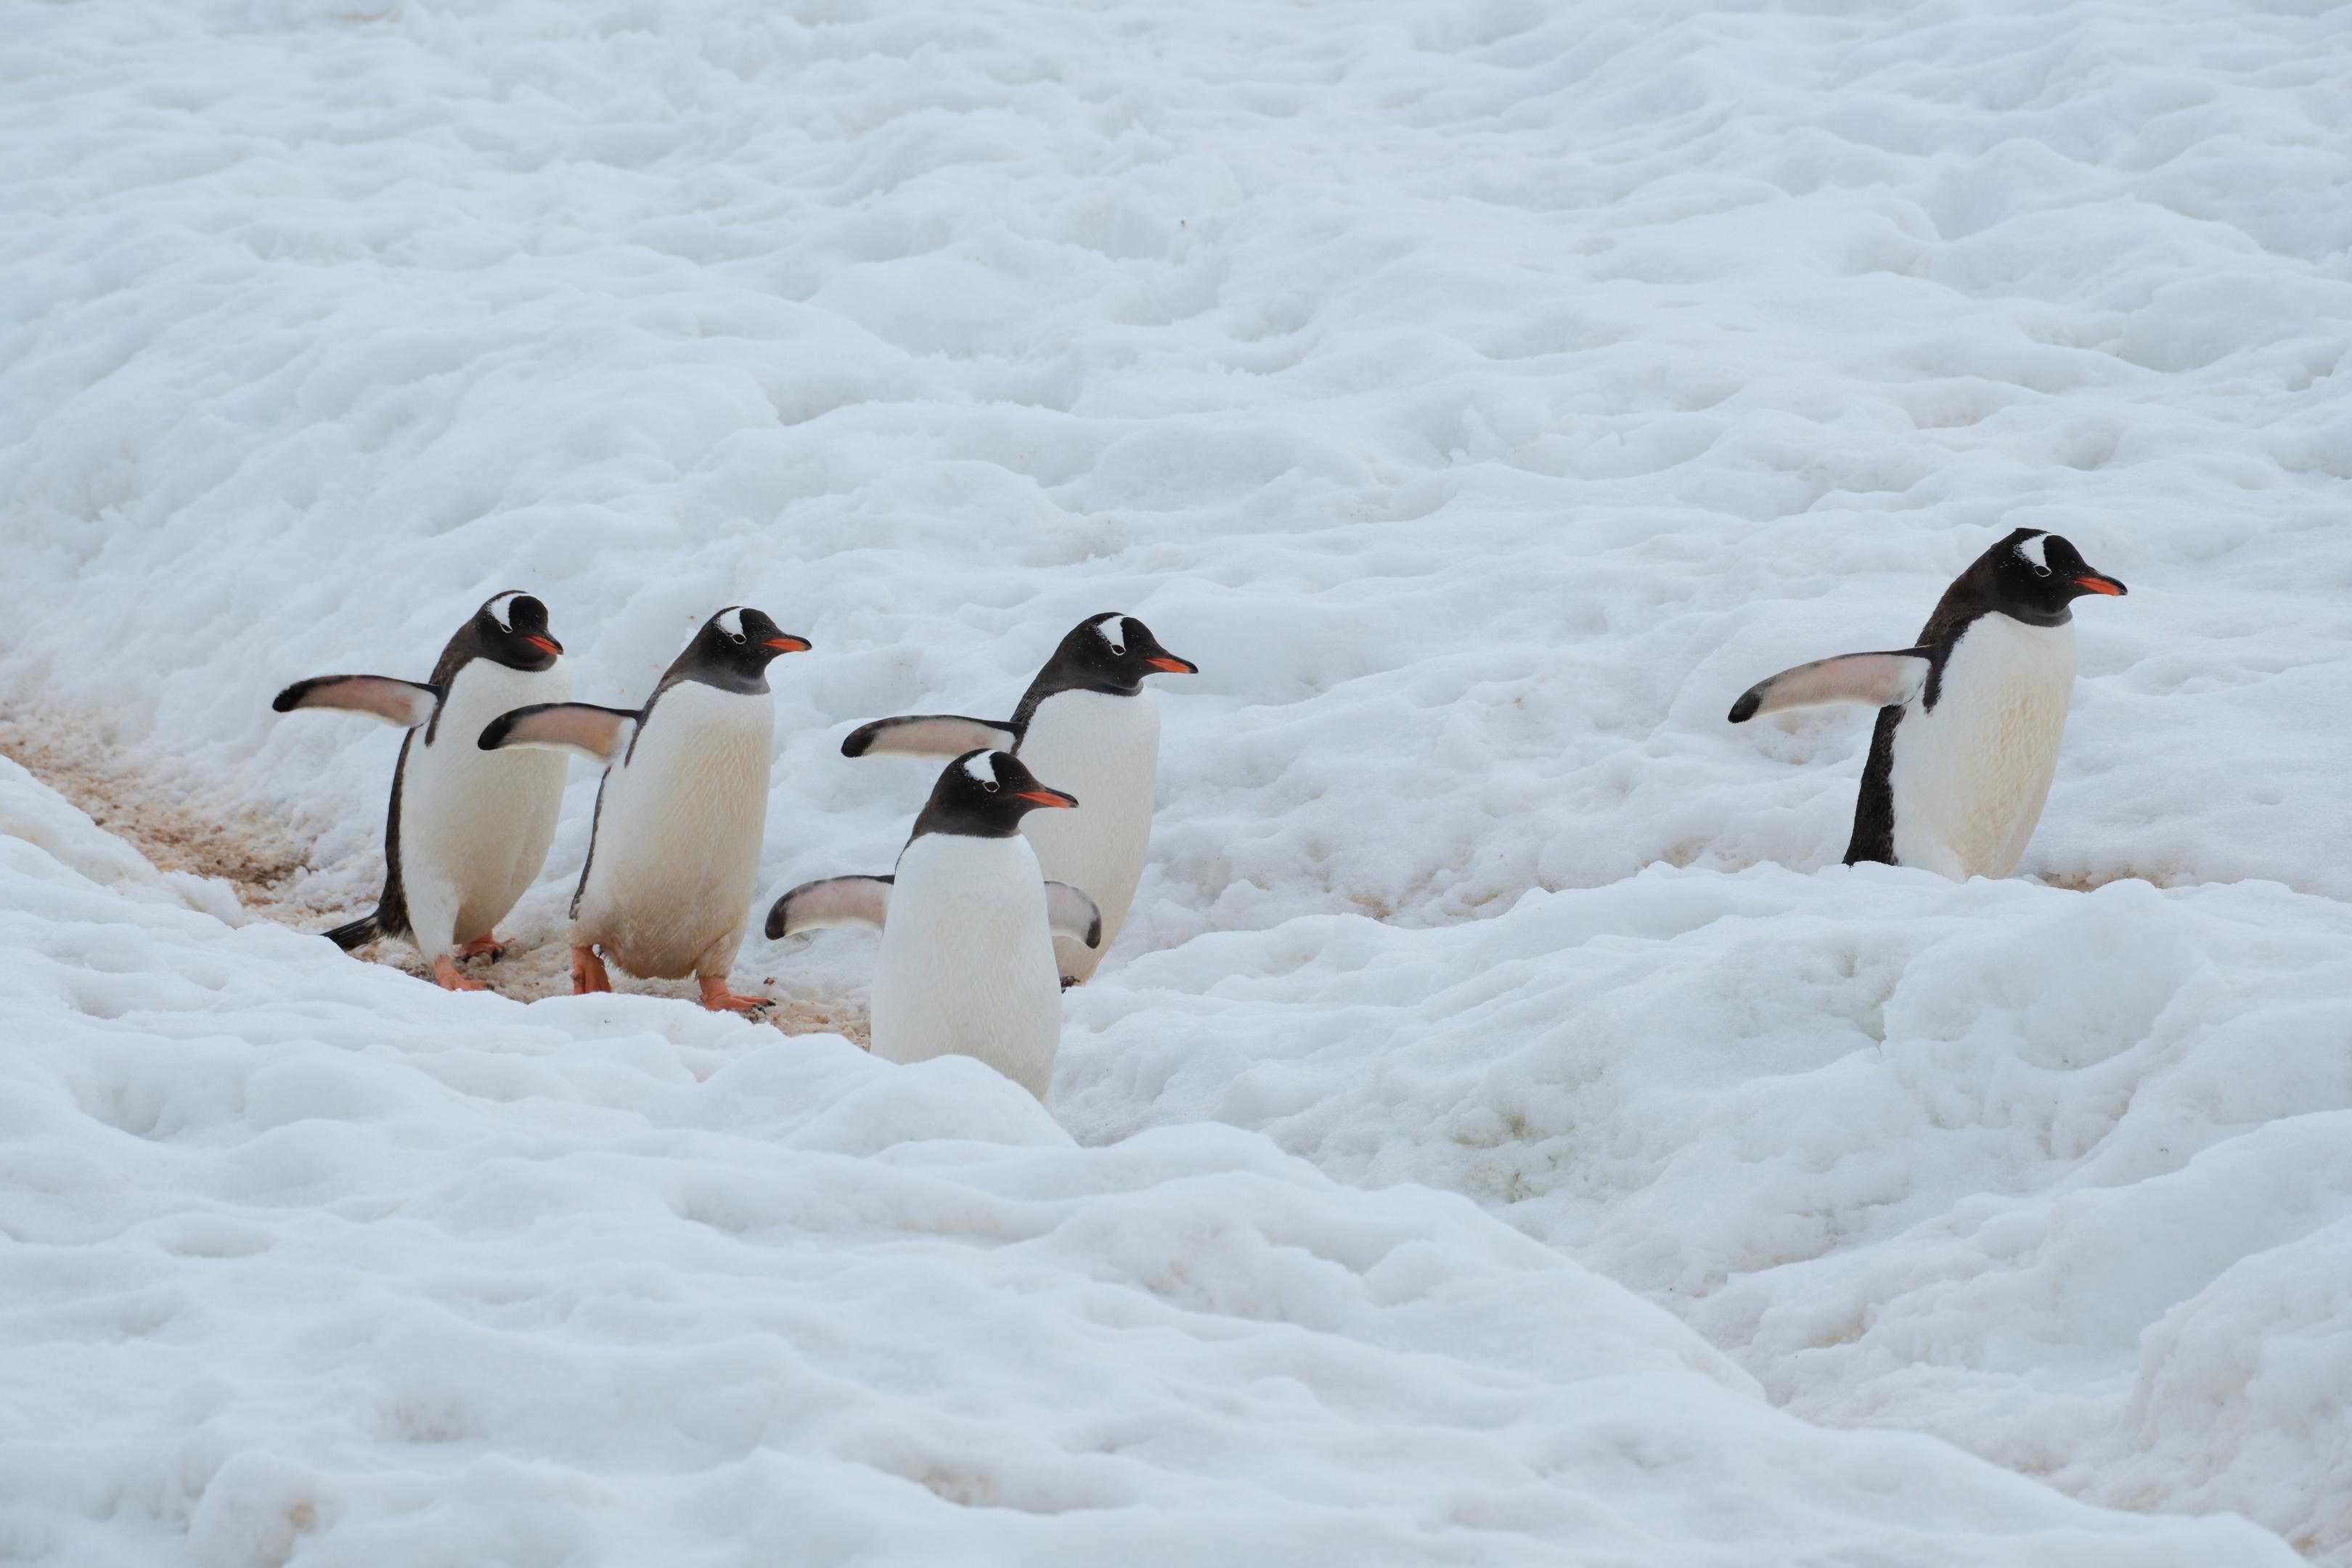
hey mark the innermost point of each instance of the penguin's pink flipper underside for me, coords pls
(599, 734)
(930, 735)
(1073, 914)
(835, 902)
(405, 703)
(1876, 680)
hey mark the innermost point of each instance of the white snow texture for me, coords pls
(1502, 1133)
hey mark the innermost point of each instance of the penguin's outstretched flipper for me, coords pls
(599, 734)
(930, 735)
(405, 703)
(1073, 914)
(1876, 680)
(834, 902)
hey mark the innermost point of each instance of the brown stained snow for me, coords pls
(177, 830)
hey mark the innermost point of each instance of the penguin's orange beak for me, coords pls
(2095, 583)
(1173, 665)
(1044, 797)
(788, 644)
(544, 645)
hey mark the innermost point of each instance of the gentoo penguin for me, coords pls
(675, 850)
(968, 924)
(1088, 721)
(466, 834)
(1969, 719)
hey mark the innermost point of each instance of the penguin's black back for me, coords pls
(1969, 597)
(1874, 809)
(391, 917)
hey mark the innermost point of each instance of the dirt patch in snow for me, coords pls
(259, 862)
(265, 865)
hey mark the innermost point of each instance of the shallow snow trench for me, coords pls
(1502, 1133)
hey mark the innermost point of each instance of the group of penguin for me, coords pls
(1010, 886)
(1007, 890)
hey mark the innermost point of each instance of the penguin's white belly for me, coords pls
(677, 851)
(1970, 776)
(967, 960)
(1105, 750)
(475, 825)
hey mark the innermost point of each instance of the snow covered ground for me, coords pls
(1483, 395)
(307, 1262)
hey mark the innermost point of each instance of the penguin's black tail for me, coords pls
(360, 933)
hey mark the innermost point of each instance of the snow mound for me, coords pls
(308, 1262)
(2064, 1177)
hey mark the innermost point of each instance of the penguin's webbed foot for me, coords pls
(446, 974)
(718, 999)
(482, 944)
(588, 971)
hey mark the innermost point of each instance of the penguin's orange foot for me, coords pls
(588, 971)
(482, 944)
(445, 970)
(718, 999)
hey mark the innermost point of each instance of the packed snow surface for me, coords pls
(1498, 1101)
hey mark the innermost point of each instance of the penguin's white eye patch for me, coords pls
(1112, 629)
(501, 610)
(982, 767)
(2031, 552)
(731, 621)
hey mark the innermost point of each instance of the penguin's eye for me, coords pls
(989, 787)
(739, 638)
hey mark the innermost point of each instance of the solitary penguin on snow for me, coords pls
(969, 926)
(1088, 721)
(1969, 719)
(466, 834)
(674, 851)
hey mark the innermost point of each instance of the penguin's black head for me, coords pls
(1112, 652)
(2035, 576)
(511, 629)
(737, 645)
(984, 794)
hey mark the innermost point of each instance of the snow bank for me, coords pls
(2064, 1177)
(308, 1262)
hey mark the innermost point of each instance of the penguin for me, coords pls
(674, 852)
(1969, 719)
(466, 834)
(969, 926)
(1088, 721)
